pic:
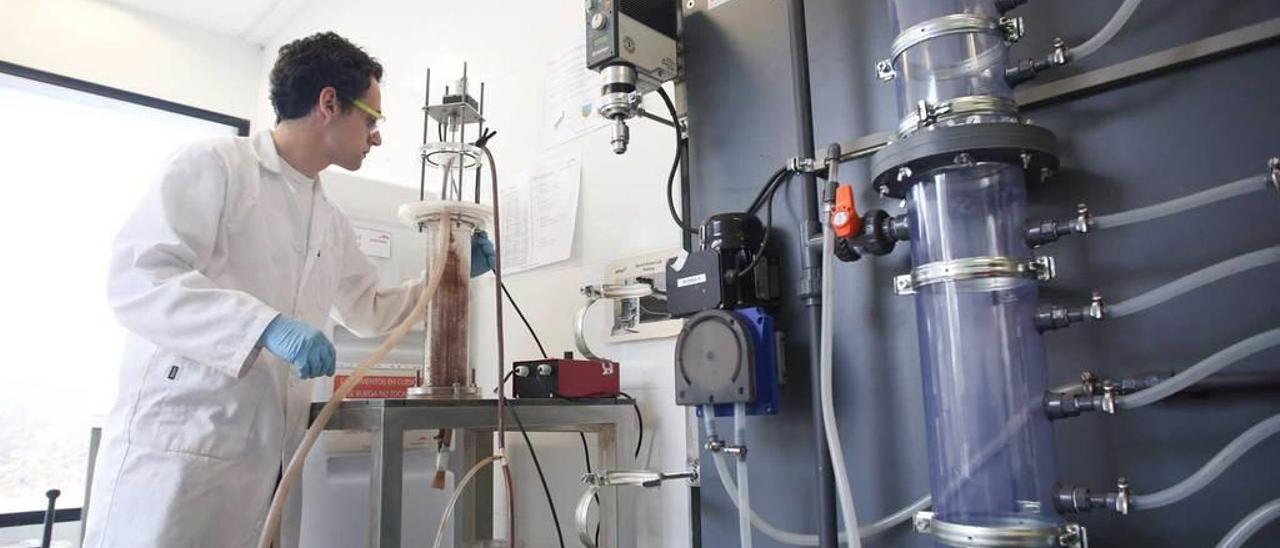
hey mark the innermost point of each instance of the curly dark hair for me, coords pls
(310, 64)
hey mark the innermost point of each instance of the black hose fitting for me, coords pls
(1049, 231)
(881, 232)
(1006, 6)
(1079, 500)
(1027, 69)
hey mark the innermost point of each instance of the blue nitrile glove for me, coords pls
(483, 256)
(303, 346)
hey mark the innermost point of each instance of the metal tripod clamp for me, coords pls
(617, 478)
(595, 293)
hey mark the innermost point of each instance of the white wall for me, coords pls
(114, 46)
(622, 212)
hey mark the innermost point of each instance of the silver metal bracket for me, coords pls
(1124, 495)
(801, 165)
(1083, 219)
(1274, 165)
(884, 70)
(1109, 398)
(1018, 534)
(1013, 28)
(1040, 268)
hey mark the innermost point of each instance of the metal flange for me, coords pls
(1017, 534)
(972, 268)
(901, 164)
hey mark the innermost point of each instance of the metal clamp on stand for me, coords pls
(617, 478)
(1017, 534)
(595, 293)
(1040, 268)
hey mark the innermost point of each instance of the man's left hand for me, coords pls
(483, 256)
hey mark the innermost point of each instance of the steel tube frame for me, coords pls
(388, 420)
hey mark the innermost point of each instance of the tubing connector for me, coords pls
(1054, 317)
(717, 445)
(1078, 500)
(1027, 69)
(1099, 394)
(1049, 231)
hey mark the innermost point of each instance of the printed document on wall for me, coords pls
(568, 99)
(539, 213)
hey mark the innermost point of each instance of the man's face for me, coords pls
(349, 135)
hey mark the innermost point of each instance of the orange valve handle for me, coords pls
(844, 214)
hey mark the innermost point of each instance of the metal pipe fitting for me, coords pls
(1048, 231)
(1054, 317)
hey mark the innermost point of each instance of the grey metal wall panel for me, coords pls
(1130, 146)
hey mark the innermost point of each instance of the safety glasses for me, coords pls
(375, 118)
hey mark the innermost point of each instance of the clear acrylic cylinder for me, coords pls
(447, 371)
(949, 66)
(992, 454)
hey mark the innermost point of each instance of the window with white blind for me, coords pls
(75, 160)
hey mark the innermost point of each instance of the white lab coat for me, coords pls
(205, 420)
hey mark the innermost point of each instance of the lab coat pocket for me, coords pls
(187, 407)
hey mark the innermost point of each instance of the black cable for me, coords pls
(675, 163)
(768, 226)
(639, 422)
(541, 477)
(528, 326)
(764, 191)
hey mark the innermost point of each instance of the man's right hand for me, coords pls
(305, 347)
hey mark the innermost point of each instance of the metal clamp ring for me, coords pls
(581, 516)
(1008, 28)
(1040, 268)
(927, 114)
(1019, 535)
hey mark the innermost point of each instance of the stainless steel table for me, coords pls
(388, 420)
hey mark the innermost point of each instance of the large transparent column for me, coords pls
(992, 454)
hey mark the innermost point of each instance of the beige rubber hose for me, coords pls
(291, 473)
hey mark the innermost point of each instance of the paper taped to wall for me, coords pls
(539, 213)
(569, 94)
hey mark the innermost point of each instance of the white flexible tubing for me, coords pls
(1244, 186)
(457, 492)
(1212, 469)
(1107, 32)
(272, 526)
(844, 490)
(1204, 368)
(801, 539)
(744, 477)
(1240, 534)
(1195, 280)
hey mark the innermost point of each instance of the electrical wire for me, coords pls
(774, 185)
(639, 422)
(681, 143)
(528, 326)
(555, 517)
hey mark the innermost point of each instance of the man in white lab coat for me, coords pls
(225, 276)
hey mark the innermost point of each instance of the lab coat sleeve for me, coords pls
(360, 305)
(155, 284)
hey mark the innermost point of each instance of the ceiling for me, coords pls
(252, 20)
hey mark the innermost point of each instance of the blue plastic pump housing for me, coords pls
(767, 364)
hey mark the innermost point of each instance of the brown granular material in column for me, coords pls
(449, 320)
